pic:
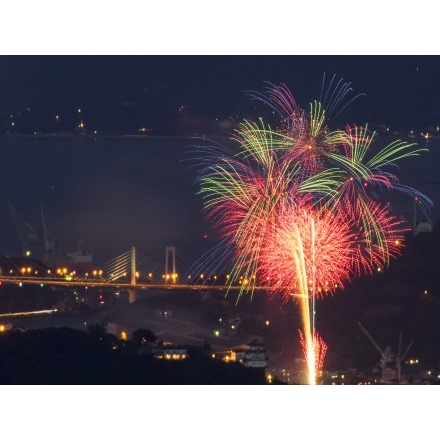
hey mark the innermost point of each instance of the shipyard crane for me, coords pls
(49, 245)
(387, 358)
(26, 232)
(400, 357)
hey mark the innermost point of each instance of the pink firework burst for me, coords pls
(310, 249)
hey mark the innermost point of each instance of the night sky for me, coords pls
(401, 91)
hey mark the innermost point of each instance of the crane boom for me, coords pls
(406, 351)
(26, 233)
(49, 245)
(371, 338)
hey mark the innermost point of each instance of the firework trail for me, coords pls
(295, 204)
(315, 357)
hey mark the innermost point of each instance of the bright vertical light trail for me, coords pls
(308, 249)
(304, 301)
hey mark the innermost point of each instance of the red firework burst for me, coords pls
(307, 245)
(309, 250)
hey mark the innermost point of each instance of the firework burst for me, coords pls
(296, 203)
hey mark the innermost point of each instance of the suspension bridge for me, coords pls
(123, 272)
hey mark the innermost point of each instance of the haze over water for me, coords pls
(113, 193)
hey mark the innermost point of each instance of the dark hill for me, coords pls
(63, 356)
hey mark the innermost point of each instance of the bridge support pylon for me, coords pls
(170, 250)
(132, 295)
(132, 292)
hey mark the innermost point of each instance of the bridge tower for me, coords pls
(170, 250)
(132, 293)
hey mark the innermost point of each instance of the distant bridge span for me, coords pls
(122, 274)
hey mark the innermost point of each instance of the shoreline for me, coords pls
(208, 137)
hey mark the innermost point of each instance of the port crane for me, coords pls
(49, 244)
(26, 232)
(388, 360)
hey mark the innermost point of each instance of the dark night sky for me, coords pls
(400, 90)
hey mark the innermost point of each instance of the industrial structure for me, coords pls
(390, 363)
(25, 231)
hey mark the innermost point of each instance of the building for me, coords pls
(121, 331)
(255, 356)
(170, 352)
(250, 355)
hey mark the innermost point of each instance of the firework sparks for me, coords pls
(297, 206)
(314, 354)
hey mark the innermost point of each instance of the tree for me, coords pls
(143, 336)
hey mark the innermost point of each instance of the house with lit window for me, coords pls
(170, 352)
